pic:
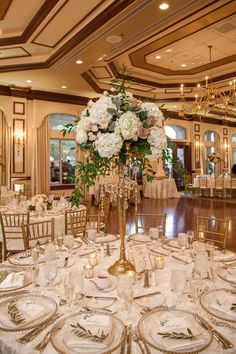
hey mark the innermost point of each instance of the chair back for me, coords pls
(233, 183)
(93, 222)
(38, 232)
(144, 221)
(203, 183)
(75, 221)
(212, 229)
(219, 183)
(13, 240)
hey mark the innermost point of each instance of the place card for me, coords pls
(141, 257)
(31, 309)
(172, 324)
(91, 319)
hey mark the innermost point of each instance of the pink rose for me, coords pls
(93, 127)
(99, 134)
(181, 114)
(143, 133)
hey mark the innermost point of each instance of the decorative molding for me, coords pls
(196, 128)
(197, 145)
(4, 7)
(36, 21)
(19, 108)
(27, 54)
(225, 131)
(68, 32)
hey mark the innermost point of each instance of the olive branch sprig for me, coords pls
(180, 335)
(15, 314)
(86, 333)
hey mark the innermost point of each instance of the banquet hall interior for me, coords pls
(57, 58)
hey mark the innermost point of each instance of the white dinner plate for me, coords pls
(151, 301)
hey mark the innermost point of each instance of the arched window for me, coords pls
(62, 150)
(234, 139)
(212, 146)
(175, 132)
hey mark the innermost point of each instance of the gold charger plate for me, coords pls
(148, 330)
(216, 302)
(224, 273)
(26, 281)
(19, 260)
(27, 299)
(60, 331)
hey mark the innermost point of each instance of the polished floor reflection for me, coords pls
(182, 214)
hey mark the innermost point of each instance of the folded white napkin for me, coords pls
(223, 309)
(31, 313)
(13, 280)
(94, 323)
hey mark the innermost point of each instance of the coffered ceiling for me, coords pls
(40, 42)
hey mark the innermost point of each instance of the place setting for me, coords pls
(228, 273)
(13, 279)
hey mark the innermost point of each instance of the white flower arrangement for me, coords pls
(107, 124)
(39, 200)
(214, 157)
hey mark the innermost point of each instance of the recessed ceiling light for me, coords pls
(175, 106)
(29, 81)
(64, 86)
(183, 65)
(158, 57)
(79, 61)
(164, 6)
(169, 50)
(114, 39)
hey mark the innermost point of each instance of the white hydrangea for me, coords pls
(128, 125)
(153, 111)
(85, 122)
(108, 144)
(158, 142)
(98, 111)
(81, 136)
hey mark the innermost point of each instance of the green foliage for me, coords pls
(68, 128)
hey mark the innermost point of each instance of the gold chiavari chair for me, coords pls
(78, 222)
(231, 190)
(13, 240)
(219, 190)
(144, 221)
(212, 229)
(204, 188)
(38, 232)
(81, 220)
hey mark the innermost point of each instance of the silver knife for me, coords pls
(150, 294)
(181, 260)
(224, 342)
(100, 297)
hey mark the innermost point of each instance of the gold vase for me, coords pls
(122, 265)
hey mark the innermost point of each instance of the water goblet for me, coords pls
(69, 242)
(76, 280)
(50, 272)
(154, 234)
(182, 241)
(60, 241)
(178, 280)
(190, 234)
(210, 250)
(92, 235)
(201, 265)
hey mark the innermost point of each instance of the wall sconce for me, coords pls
(19, 141)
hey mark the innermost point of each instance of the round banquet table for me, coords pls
(8, 343)
(161, 189)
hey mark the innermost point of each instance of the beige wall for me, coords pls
(37, 110)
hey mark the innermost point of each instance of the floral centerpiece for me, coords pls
(116, 128)
(39, 200)
(112, 126)
(214, 157)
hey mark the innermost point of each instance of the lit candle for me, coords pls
(206, 80)
(88, 271)
(93, 259)
(159, 262)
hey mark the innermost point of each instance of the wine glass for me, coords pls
(60, 241)
(190, 234)
(125, 292)
(178, 280)
(76, 280)
(210, 249)
(201, 265)
(154, 234)
(92, 235)
(182, 241)
(69, 242)
(50, 272)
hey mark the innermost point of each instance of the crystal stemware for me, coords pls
(190, 234)
(182, 241)
(50, 272)
(69, 242)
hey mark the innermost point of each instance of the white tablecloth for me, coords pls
(8, 342)
(161, 189)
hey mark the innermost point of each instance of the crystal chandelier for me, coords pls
(209, 99)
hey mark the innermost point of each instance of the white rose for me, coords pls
(153, 111)
(157, 140)
(81, 136)
(128, 125)
(108, 145)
